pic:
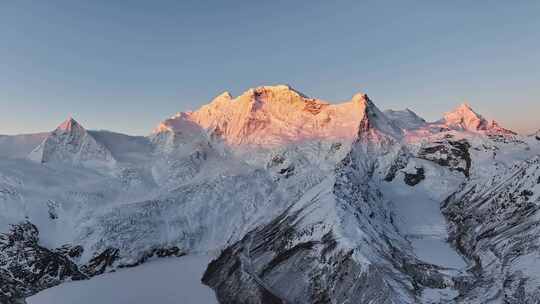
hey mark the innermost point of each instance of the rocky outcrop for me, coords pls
(27, 267)
(453, 154)
(412, 179)
(399, 163)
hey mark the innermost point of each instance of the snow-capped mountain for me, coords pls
(71, 143)
(271, 116)
(465, 118)
(298, 200)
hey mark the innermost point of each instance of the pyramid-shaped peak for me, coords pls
(69, 124)
(464, 117)
(464, 110)
(374, 120)
(71, 143)
(465, 106)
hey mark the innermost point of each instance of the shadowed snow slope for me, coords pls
(405, 119)
(167, 281)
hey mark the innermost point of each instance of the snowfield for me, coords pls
(419, 216)
(163, 281)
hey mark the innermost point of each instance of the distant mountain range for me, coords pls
(300, 201)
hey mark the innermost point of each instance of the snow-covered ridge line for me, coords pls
(270, 116)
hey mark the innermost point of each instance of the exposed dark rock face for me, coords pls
(412, 179)
(26, 267)
(251, 290)
(157, 252)
(452, 154)
(71, 251)
(10, 288)
(314, 107)
(101, 262)
(287, 172)
(400, 162)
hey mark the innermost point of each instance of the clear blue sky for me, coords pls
(126, 65)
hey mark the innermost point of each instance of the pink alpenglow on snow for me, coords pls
(271, 116)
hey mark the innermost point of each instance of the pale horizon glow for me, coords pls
(125, 68)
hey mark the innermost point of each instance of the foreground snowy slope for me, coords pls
(167, 281)
(302, 201)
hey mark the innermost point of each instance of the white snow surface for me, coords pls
(419, 216)
(163, 281)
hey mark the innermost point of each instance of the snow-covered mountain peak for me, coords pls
(68, 125)
(466, 118)
(277, 94)
(225, 95)
(222, 99)
(279, 89)
(360, 97)
(71, 143)
(464, 106)
(270, 116)
(374, 121)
